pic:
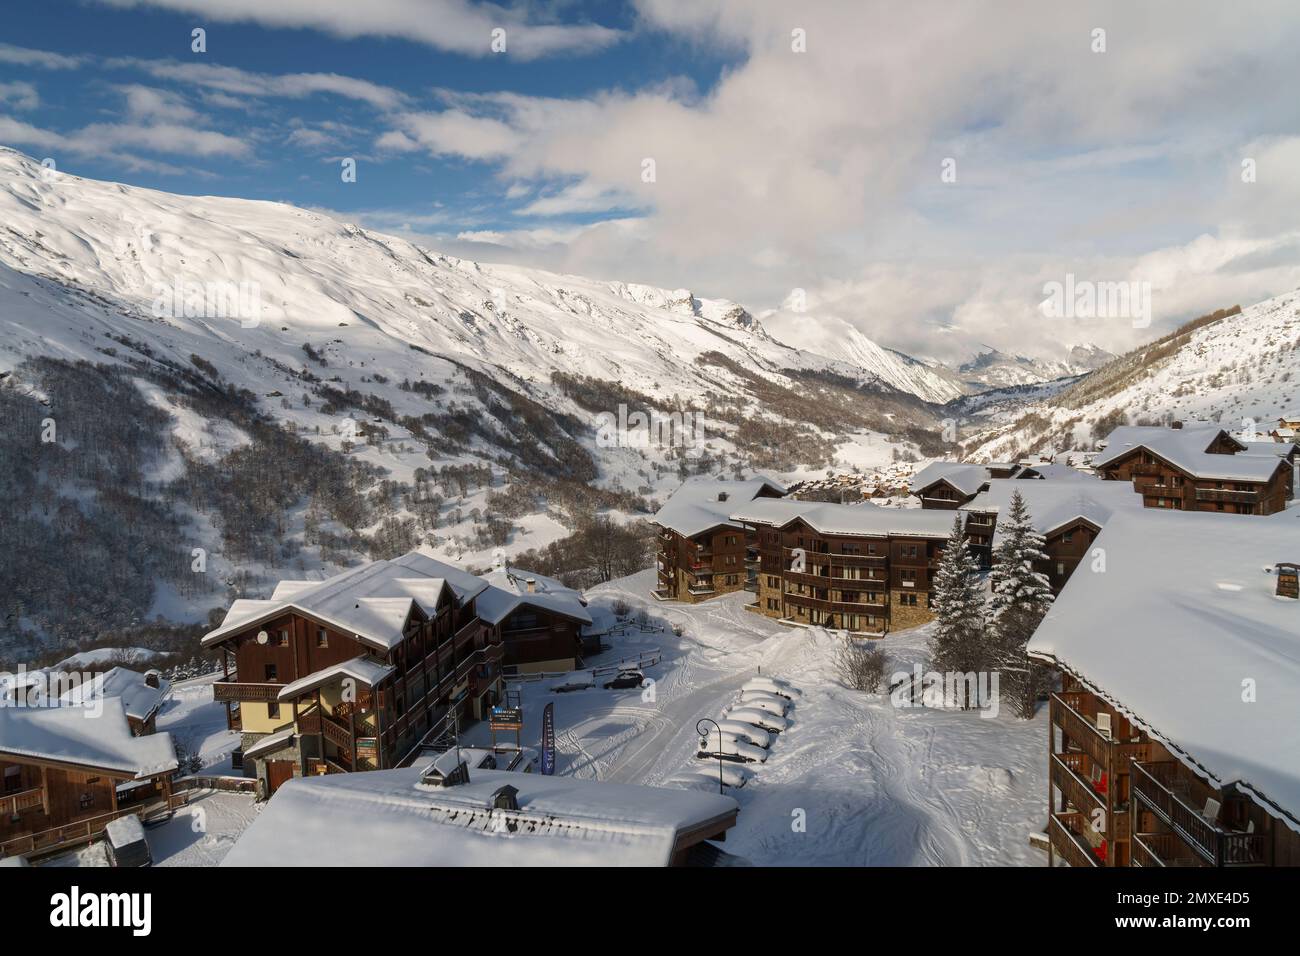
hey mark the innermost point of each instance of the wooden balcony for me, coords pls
(315, 722)
(1224, 495)
(1163, 788)
(1066, 833)
(1071, 773)
(1156, 850)
(12, 804)
(229, 690)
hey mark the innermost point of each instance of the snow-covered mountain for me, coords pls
(1237, 367)
(994, 369)
(835, 338)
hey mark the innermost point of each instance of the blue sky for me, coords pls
(119, 48)
(794, 147)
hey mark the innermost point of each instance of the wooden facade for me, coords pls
(447, 662)
(536, 639)
(1163, 484)
(1119, 797)
(864, 584)
(47, 805)
(693, 569)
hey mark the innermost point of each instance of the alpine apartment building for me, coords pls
(1172, 739)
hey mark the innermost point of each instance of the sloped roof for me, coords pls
(1185, 448)
(775, 512)
(966, 478)
(372, 601)
(508, 590)
(1056, 472)
(702, 504)
(139, 700)
(865, 518)
(1054, 504)
(388, 818)
(96, 735)
(364, 669)
(1185, 612)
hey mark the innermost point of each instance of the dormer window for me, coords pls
(722, 496)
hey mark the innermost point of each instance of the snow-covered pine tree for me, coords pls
(959, 643)
(1020, 598)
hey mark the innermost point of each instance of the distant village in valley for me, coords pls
(1139, 605)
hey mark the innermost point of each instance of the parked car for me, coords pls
(706, 778)
(771, 685)
(730, 747)
(747, 732)
(759, 718)
(773, 705)
(577, 680)
(626, 679)
(126, 842)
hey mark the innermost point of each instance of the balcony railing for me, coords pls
(1157, 786)
(1162, 850)
(12, 803)
(1071, 773)
(230, 690)
(1066, 830)
(1222, 494)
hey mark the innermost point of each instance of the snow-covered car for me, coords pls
(759, 718)
(625, 679)
(730, 747)
(733, 775)
(577, 680)
(765, 702)
(747, 732)
(771, 685)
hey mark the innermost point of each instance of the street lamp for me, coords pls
(704, 734)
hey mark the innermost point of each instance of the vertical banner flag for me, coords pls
(548, 739)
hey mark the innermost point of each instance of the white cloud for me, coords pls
(19, 95)
(21, 56)
(456, 26)
(234, 81)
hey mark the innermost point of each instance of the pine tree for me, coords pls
(1021, 596)
(959, 643)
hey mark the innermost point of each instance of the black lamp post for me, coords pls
(705, 734)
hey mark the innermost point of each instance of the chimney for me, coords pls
(1175, 424)
(151, 678)
(505, 798)
(531, 584)
(1288, 580)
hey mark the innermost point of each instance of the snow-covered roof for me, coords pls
(966, 478)
(388, 818)
(508, 590)
(1054, 504)
(702, 504)
(138, 699)
(1185, 613)
(364, 670)
(373, 601)
(1185, 448)
(865, 518)
(1057, 472)
(1275, 449)
(270, 743)
(96, 735)
(775, 512)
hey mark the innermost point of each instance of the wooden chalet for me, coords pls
(540, 622)
(142, 695)
(702, 552)
(946, 485)
(68, 770)
(354, 672)
(1068, 512)
(859, 568)
(1195, 468)
(1160, 753)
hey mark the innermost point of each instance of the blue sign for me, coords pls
(548, 740)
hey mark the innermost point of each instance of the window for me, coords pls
(284, 638)
(322, 637)
(273, 710)
(86, 801)
(270, 672)
(1067, 536)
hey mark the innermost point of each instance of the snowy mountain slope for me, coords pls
(1239, 368)
(998, 370)
(838, 339)
(379, 295)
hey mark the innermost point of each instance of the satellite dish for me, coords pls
(263, 637)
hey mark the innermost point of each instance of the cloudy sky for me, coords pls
(919, 170)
